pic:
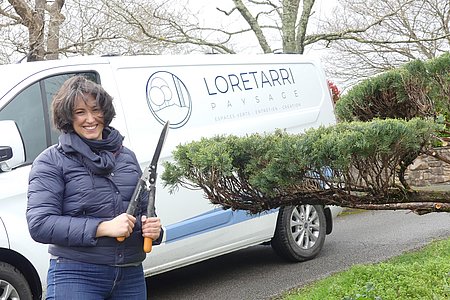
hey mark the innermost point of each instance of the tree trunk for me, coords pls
(289, 19)
(303, 24)
(56, 19)
(36, 32)
(34, 21)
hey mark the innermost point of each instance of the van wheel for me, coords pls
(13, 285)
(300, 232)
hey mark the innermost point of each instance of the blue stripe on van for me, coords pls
(211, 220)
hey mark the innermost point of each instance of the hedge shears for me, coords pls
(147, 183)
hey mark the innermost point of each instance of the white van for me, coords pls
(202, 96)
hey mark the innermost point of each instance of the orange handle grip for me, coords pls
(147, 245)
(120, 238)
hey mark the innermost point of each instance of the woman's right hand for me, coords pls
(120, 226)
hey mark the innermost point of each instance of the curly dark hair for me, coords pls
(78, 87)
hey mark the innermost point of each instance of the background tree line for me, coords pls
(373, 36)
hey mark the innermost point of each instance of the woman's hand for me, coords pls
(120, 226)
(151, 227)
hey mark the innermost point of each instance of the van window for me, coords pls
(26, 109)
(31, 110)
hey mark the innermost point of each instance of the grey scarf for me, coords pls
(97, 155)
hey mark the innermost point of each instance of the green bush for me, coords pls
(439, 89)
(418, 89)
(258, 172)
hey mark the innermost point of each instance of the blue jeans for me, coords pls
(72, 280)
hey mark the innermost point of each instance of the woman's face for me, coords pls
(88, 118)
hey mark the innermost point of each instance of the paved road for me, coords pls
(257, 273)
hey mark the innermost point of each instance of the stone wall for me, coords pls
(427, 170)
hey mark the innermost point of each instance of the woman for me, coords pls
(77, 197)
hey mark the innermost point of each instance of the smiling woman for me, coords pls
(88, 119)
(77, 196)
(81, 104)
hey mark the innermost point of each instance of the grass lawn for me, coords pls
(422, 274)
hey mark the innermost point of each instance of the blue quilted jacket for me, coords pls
(66, 203)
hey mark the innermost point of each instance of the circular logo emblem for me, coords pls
(168, 99)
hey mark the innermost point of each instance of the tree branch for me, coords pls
(252, 22)
(23, 10)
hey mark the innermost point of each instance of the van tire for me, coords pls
(295, 222)
(13, 279)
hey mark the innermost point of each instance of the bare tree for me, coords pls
(88, 29)
(141, 27)
(33, 17)
(46, 30)
(373, 35)
(260, 21)
(166, 26)
(403, 30)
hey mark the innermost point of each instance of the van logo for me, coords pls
(168, 99)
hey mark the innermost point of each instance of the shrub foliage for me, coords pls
(351, 164)
(418, 89)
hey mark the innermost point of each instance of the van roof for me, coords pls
(12, 74)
